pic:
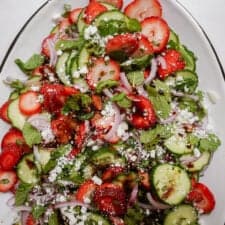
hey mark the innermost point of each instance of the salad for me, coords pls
(109, 127)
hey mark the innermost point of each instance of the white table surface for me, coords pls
(210, 15)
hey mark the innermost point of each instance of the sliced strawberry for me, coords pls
(111, 173)
(74, 14)
(7, 180)
(45, 46)
(30, 220)
(54, 97)
(97, 102)
(43, 71)
(124, 43)
(141, 9)
(81, 133)
(101, 71)
(64, 24)
(101, 123)
(93, 10)
(73, 153)
(111, 199)
(117, 220)
(202, 198)
(144, 47)
(63, 128)
(157, 31)
(29, 103)
(117, 3)
(85, 191)
(14, 136)
(144, 179)
(10, 157)
(145, 116)
(174, 62)
(4, 112)
(68, 91)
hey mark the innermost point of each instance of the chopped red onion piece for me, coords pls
(181, 94)
(24, 216)
(162, 62)
(52, 51)
(142, 91)
(11, 201)
(133, 196)
(125, 82)
(108, 93)
(23, 208)
(156, 204)
(153, 71)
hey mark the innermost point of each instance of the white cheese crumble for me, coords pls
(47, 135)
(83, 70)
(108, 110)
(122, 131)
(59, 52)
(35, 88)
(96, 180)
(197, 153)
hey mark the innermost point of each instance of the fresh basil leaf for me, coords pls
(53, 219)
(31, 134)
(85, 116)
(65, 45)
(133, 25)
(111, 27)
(22, 193)
(32, 63)
(136, 78)
(38, 211)
(105, 84)
(210, 143)
(122, 100)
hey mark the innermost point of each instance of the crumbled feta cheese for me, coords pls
(96, 180)
(197, 153)
(108, 110)
(121, 131)
(59, 52)
(89, 32)
(47, 135)
(35, 88)
(40, 98)
(83, 70)
(87, 200)
(95, 147)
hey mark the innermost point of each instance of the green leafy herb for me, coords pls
(31, 134)
(105, 84)
(160, 98)
(133, 25)
(210, 143)
(65, 45)
(32, 63)
(85, 116)
(134, 216)
(38, 211)
(153, 136)
(53, 219)
(135, 78)
(122, 100)
(22, 193)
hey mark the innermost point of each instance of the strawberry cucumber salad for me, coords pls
(109, 127)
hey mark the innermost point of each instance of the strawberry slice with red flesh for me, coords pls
(110, 199)
(29, 103)
(74, 14)
(97, 102)
(85, 191)
(174, 62)
(145, 116)
(111, 173)
(144, 47)
(4, 112)
(8, 180)
(93, 10)
(15, 137)
(80, 135)
(141, 9)
(123, 43)
(157, 31)
(43, 71)
(101, 71)
(10, 157)
(202, 198)
(45, 46)
(64, 24)
(117, 220)
(30, 220)
(117, 3)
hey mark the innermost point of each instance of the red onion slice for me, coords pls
(108, 93)
(142, 91)
(116, 122)
(153, 72)
(156, 204)
(23, 208)
(11, 201)
(187, 159)
(125, 82)
(181, 94)
(145, 206)
(52, 51)
(133, 196)
(71, 204)
(24, 216)
(39, 121)
(170, 119)
(122, 89)
(161, 61)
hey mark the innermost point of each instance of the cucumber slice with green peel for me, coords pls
(80, 22)
(61, 68)
(81, 84)
(182, 215)
(186, 81)
(94, 218)
(171, 183)
(13, 95)
(16, 117)
(70, 61)
(178, 145)
(27, 170)
(200, 163)
(110, 15)
(83, 58)
(189, 58)
(174, 38)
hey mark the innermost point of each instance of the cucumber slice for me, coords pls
(186, 80)
(61, 68)
(81, 83)
(94, 218)
(13, 95)
(189, 58)
(110, 15)
(199, 164)
(178, 145)
(70, 61)
(83, 58)
(27, 170)
(182, 215)
(171, 183)
(16, 117)
(174, 37)
(80, 22)
(88, 171)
